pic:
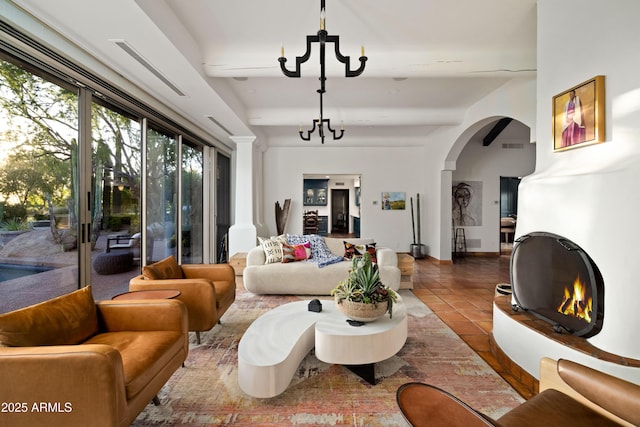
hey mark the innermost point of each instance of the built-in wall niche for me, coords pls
(317, 194)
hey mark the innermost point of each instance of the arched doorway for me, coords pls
(476, 162)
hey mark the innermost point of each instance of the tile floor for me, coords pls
(462, 294)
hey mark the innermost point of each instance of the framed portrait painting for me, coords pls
(578, 115)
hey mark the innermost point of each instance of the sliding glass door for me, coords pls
(91, 189)
(161, 195)
(192, 212)
(116, 162)
(39, 186)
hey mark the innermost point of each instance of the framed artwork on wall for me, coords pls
(578, 115)
(466, 203)
(315, 192)
(393, 200)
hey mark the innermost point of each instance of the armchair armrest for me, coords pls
(197, 294)
(85, 380)
(612, 397)
(423, 404)
(147, 315)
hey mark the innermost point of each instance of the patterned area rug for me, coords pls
(206, 393)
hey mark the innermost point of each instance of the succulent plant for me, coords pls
(364, 285)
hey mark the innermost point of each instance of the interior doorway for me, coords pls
(339, 211)
(508, 212)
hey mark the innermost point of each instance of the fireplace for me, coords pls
(556, 280)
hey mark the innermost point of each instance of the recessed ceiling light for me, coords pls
(241, 79)
(399, 79)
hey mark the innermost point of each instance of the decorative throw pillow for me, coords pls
(272, 248)
(320, 252)
(292, 253)
(351, 250)
(371, 248)
(167, 268)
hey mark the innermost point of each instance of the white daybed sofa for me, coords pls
(306, 277)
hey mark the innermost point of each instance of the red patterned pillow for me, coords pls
(371, 248)
(351, 250)
(293, 253)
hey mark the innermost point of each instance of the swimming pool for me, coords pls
(14, 271)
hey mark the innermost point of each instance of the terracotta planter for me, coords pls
(360, 311)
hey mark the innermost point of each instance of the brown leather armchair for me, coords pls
(570, 394)
(71, 361)
(207, 290)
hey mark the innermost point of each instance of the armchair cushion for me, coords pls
(65, 320)
(167, 268)
(143, 355)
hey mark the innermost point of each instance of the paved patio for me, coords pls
(24, 291)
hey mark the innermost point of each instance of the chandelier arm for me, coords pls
(346, 60)
(309, 132)
(299, 59)
(333, 131)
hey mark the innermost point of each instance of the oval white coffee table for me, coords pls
(270, 351)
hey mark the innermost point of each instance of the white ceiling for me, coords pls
(428, 60)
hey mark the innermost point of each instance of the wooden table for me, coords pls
(406, 264)
(148, 294)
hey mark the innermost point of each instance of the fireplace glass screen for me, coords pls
(557, 281)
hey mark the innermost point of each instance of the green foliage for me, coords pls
(15, 211)
(364, 285)
(15, 224)
(42, 119)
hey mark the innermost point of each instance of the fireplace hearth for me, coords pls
(556, 280)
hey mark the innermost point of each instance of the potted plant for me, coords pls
(362, 296)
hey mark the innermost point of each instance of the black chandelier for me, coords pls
(322, 37)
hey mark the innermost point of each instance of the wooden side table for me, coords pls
(148, 294)
(238, 261)
(406, 264)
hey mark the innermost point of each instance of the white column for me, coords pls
(242, 234)
(258, 193)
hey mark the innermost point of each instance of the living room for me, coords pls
(586, 188)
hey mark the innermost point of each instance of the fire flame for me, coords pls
(575, 304)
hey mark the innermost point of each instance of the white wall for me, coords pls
(381, 169)
(425, 170)
(488, 164)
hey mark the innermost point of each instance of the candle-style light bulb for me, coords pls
(323, 15)
(282, 50)
(362, 50)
